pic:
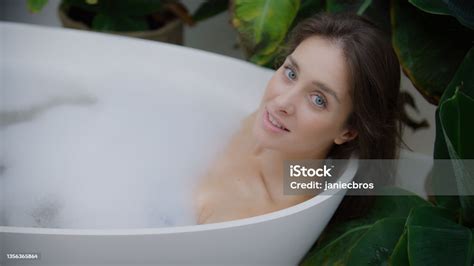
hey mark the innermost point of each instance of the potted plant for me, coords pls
(160, 20)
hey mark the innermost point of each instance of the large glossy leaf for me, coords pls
(463, 78)
(463, 11)
(384, 207)
(262, 26)
(434, 238)
(437, 246)
(431, 216)
(362, 245)
(336, 252)
(395, 206)
(456, 114)
(443, 174)
(430, 47)
(378, 243)
(472, 247)
(458, 135)
(400, 252)
(453, 137)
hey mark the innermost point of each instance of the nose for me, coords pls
(285, 102)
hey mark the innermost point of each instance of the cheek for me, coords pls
(318, 127)
(273, 88)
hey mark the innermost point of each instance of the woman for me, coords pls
(337, 92)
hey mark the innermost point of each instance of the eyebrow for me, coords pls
(319, 84)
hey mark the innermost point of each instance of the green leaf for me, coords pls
(458, 135)
(443, 174)
(262, 26)
(335, 253)
(462, 79)
(103, 22)
(430, 216)
(456, 114)
(437, 246)
(378, 243)
(389, 206)
(430, 47)
(400, 252)
(361, 245)
(266, 60)
(472, 247)
(434, 238)
(334, 231)
(463, 11)
(453, 141)
(36, 5)
(395, 206)
(209, 9)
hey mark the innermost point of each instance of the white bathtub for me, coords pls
(62, 87)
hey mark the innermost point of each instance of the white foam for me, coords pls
(100, 131)
(84, 153)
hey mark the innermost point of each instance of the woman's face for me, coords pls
(306, 102)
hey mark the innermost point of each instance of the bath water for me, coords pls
(102, 150)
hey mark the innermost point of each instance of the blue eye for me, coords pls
(289, 73)
(318, 100)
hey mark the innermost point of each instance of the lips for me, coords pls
(273, 123)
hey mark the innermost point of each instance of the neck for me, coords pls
(271, 162)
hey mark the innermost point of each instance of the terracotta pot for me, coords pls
(172, 32)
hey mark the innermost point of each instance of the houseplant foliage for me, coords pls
(156, 20)
(131, 15)
(433, 41)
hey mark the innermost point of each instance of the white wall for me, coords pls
(217, 35)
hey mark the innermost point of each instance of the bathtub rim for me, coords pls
(346, 177)
(9, 25)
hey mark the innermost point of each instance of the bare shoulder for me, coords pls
(202, 199)
(230, 197)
